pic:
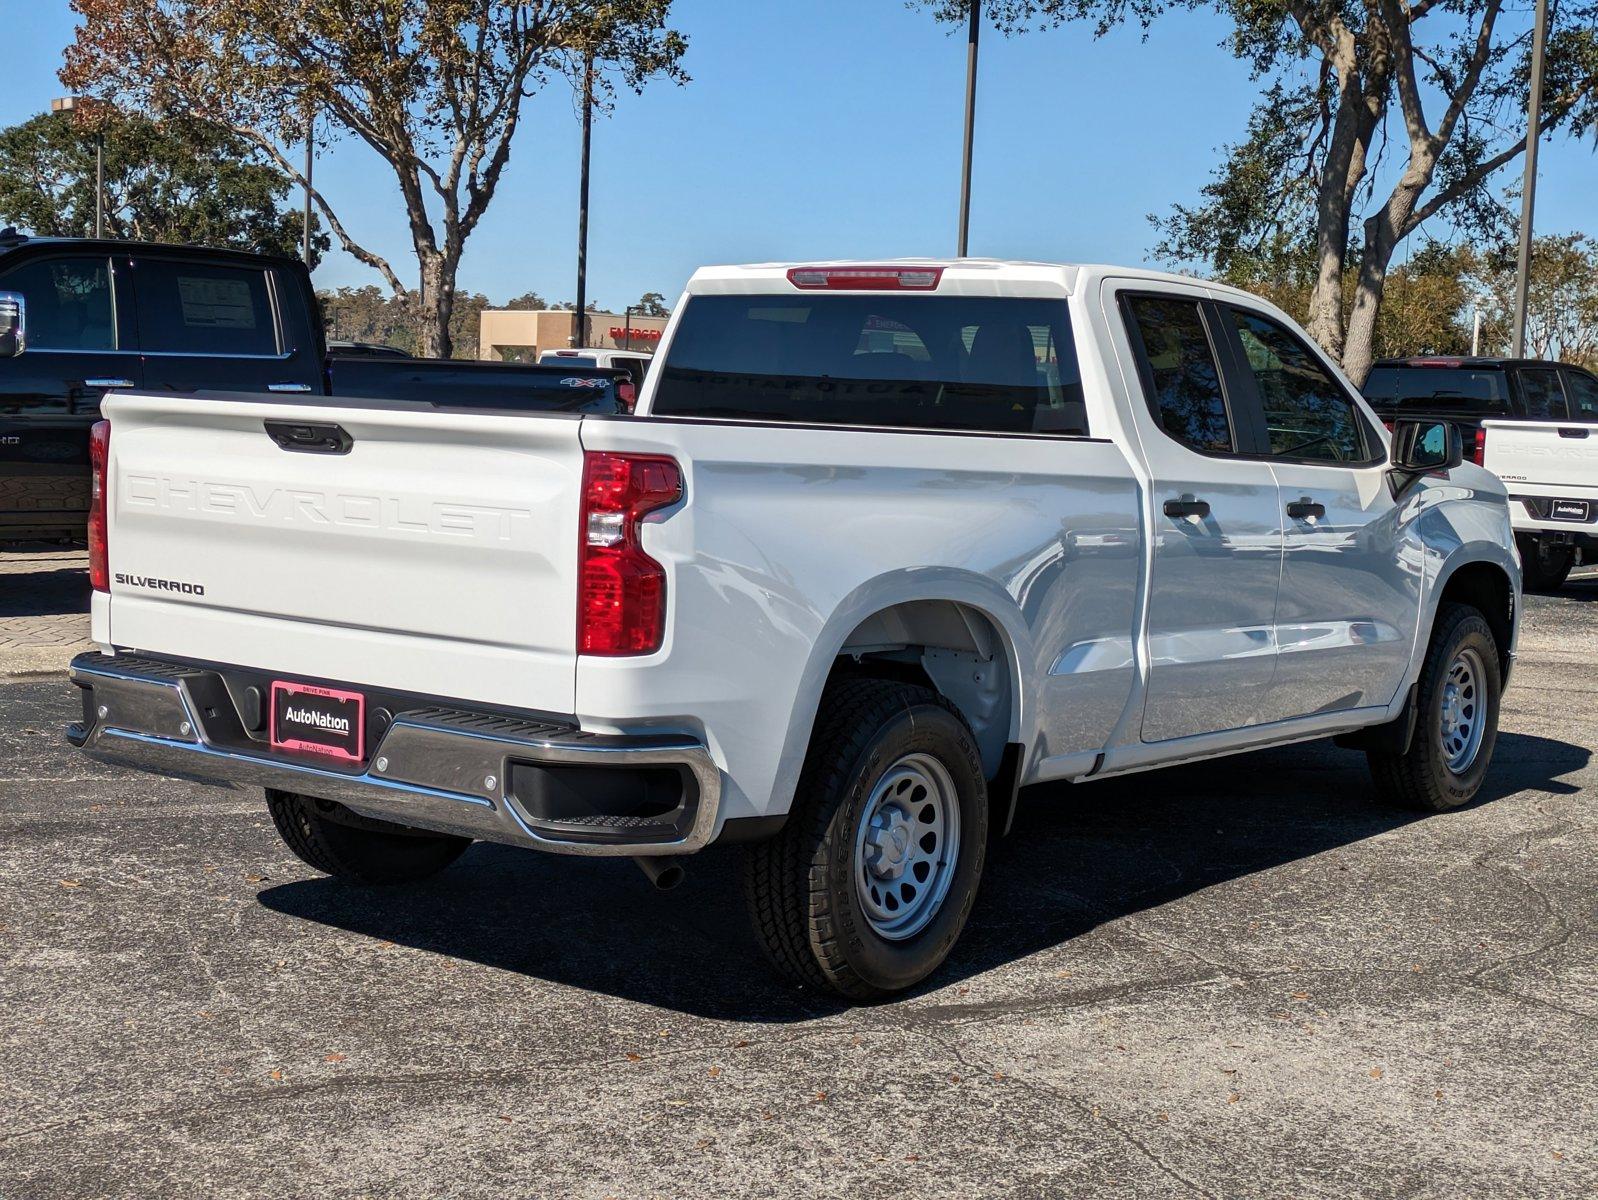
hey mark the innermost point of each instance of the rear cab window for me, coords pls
(979, 363)
(1482, 390)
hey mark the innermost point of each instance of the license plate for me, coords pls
(1569, 510)
(318, 720)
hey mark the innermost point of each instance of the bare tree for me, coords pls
(435, 87)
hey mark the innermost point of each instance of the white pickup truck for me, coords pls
(1549, 464)
(883, 543)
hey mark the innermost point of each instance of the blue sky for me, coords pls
(829, 128)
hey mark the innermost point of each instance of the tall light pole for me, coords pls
(310, 163)
(81, 107)
(1528, 195)
(582, 205)
(970, 123)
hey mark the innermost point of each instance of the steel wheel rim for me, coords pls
(907, 847)
(1462, 712)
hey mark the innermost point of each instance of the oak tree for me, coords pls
(1375, 116)
(165, 181)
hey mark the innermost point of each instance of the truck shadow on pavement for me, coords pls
(44, 593)
(1078, 858)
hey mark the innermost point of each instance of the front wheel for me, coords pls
(872, 878)
(1456, 720)
(1544, 563)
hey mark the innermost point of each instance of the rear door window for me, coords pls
(69, 303)
(913, 362)
(1308, 415)
(1180, 371)
(190, 308)
(1541, 395)
(1582, 391)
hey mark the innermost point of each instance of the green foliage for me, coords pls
(1561, 300)
(652, 304)
(169, 181)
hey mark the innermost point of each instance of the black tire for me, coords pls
(800, 884)
(1544, 564)
(357, 848)
(1421, 778)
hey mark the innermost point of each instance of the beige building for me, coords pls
(521, 335)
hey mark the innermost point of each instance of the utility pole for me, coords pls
(99, 184)
(310, 162)
(1528, 195)
(581, 323)
(970, 123)
(87, 108)
(1475, 332)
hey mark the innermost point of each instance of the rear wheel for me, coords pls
(870, 882)
(1456, 720)
(337, 842)
(1544, 563)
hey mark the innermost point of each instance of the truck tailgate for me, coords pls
(1543, 457)
(437, 555)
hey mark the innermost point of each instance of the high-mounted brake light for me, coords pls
(866, 279)
(621, 597)
(99, 457)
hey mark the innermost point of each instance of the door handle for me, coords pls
(288, 387)
(108, 383)
(1306, 509)
(1187, 506)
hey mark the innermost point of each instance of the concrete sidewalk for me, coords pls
(44, 608)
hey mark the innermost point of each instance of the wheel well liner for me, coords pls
(955, 649)
(1485, 587)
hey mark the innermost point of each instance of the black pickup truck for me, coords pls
(79, 318)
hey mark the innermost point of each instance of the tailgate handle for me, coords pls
(1572, 433)
(305, 438)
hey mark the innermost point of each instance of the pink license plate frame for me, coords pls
(287, 689)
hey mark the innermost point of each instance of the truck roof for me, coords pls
(11, 241)
(968, 276)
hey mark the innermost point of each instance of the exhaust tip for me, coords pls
(664, 872)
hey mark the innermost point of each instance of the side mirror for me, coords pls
(13, 324)
(1421, 446)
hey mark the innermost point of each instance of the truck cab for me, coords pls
(88, 317)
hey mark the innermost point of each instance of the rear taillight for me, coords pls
(626, 393)
(621, 597)
(1478, 446)
(99, 456)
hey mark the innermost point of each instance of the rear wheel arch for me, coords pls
(1486, 587)
(958, 650)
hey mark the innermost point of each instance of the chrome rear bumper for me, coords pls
(442, 769)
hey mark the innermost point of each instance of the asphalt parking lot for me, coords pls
(1240, 979)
